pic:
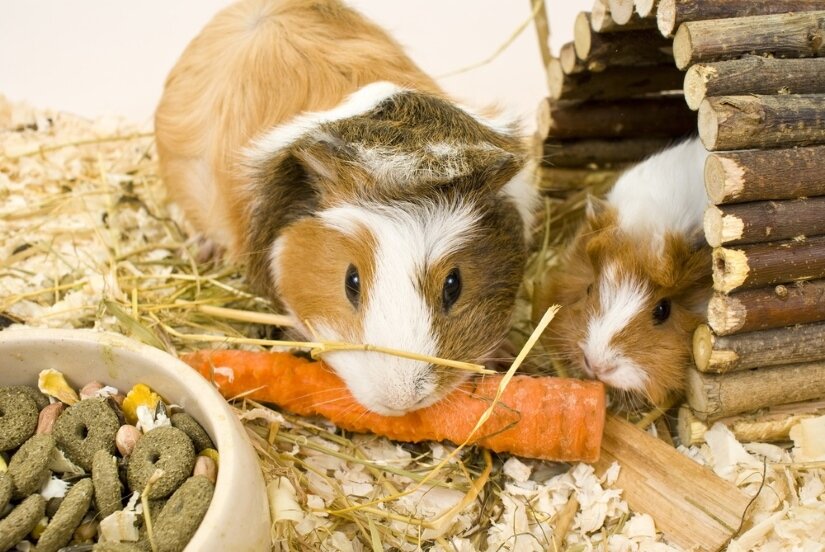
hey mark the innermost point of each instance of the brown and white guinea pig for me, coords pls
(299, 137)
(635, 281)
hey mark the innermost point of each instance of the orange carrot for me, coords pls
(537, 417)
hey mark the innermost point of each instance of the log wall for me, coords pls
(753, 75)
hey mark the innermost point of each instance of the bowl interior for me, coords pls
(238, 517)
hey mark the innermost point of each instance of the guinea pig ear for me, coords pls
(696, 239)
(495, 169)
(322, 160)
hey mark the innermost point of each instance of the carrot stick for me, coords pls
(538, 417)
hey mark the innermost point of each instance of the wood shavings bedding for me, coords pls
(88, 241)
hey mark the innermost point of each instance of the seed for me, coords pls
(90, 390)
(126, 438)
(206, 467)
(47, 417)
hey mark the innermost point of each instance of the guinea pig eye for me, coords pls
(661, 311)
(352, 285)
(452, 289)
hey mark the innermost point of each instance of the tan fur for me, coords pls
(682, 274)
(415, 153)
(316, 285)
(276, 55)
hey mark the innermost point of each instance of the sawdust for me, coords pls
(89, 241)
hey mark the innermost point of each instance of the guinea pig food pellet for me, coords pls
(78, 469)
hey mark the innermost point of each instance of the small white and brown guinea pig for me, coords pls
(299, 137)
(635, 281)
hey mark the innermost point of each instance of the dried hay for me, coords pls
(88, 241)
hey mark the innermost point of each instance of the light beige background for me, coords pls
(110, 57)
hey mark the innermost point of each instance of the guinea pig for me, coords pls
(298, 137)
(635, 281)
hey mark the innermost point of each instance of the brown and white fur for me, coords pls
(635, 281)
(298, 136)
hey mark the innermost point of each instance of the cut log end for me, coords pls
(666, 17)
(713, 226)
(581, 35)
(721, 228)
(621, 10)
(696, 84)
(570, 63)
(682, 46)
(697, 394)
(555, 81)
(543, 117)
(708, 125)
(702, 346)
(723, 179)
(600, 19)
(730, 269)
(644, 7)
(691, 430)
(726, 314)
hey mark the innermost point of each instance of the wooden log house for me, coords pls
(749, 78)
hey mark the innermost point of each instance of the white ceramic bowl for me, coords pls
(238, 517)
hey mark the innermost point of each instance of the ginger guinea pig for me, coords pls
(299, 137)
(635, 281)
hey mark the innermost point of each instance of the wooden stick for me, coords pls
(753, 175)
(631, 48)
(770, 424)
(612, 83)
(564, 520)
(677, 492)
(765, 308)
(602, 22)
(620, 10)
(761, 221)
(645, 8)
(761, 264)
(657, 117)
(564, 180)
(743, 122)
(714, 396)
(570, 62)
(672, 13)
(542, 25)
(754, 75)
(782, 35)
(600, 153)
(791, 344)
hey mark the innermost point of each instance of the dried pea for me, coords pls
(18, 418)
(85, 428)
(29, 467)
(85, 532)
(165, 448)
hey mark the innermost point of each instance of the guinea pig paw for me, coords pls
(502, 357)
(206, 250)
